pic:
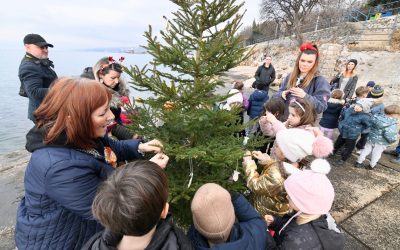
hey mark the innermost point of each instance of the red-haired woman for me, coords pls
(305, 82)
(71, 156)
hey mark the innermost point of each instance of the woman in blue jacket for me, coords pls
(304, 82)
(71, 156)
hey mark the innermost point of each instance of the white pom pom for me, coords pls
(320, 166)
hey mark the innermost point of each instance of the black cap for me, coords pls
(353, 61)
(37, 40)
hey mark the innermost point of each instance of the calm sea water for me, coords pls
(14, 123)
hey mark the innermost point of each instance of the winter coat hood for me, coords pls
(166, 237)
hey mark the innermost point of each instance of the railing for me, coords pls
(372, 13)
(353, 15)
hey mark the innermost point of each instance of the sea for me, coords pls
(14, 123)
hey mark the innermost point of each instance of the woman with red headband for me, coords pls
(304, 81)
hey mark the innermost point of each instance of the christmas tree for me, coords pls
(198, 45)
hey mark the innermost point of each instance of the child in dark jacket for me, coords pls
(330, 117)
(310, 195)
(256, 103)
(225, 221)
(353, 123)
(132, 206)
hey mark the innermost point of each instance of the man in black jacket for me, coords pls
(35, 71)
(265, 74)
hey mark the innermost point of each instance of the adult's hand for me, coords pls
(160, 159)
(298, 92)
(151, 146)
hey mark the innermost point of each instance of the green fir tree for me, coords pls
(198, 45)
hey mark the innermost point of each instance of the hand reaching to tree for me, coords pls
(260, 156)
(160, 159)
(151, 146)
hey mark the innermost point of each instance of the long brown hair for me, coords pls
(296, 71)
(353, 71)
(68, 107)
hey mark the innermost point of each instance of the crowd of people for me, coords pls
(79, 194)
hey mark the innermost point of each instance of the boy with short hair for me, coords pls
(215, 212)
(132, 206)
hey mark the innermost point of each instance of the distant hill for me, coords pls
(133, 50)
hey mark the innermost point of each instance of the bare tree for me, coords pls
(292, 13)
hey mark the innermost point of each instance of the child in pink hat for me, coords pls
(310, 195)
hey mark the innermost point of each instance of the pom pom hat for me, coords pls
(310, 190)
(297, 143)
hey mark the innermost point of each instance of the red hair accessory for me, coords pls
(111, 59)
(121, 59)
(307, 46)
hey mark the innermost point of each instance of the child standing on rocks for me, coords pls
(383, 132)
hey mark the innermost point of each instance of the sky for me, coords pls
(80, 24)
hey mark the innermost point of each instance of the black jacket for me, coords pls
(330, 117)
(312, 235)
(166, 237)
(35, 75)
(265, 76)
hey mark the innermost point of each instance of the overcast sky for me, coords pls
(90, 24)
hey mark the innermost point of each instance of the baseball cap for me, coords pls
(37, 40)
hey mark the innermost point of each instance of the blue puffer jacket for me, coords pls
(353, 123)
(383, 130)
(256, 103)
(330, 117)
(249, 233)
(60, 185)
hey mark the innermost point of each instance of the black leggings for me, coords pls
(362, 141)
(347, 144)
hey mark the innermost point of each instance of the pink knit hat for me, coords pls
(310, 190)
(297, 143)
(213, 212)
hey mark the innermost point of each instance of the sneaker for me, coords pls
(340, 162)
(359, 165)
(395, 161)
(368, 167)
(391, 152)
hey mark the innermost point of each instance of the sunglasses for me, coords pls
(43, 47)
